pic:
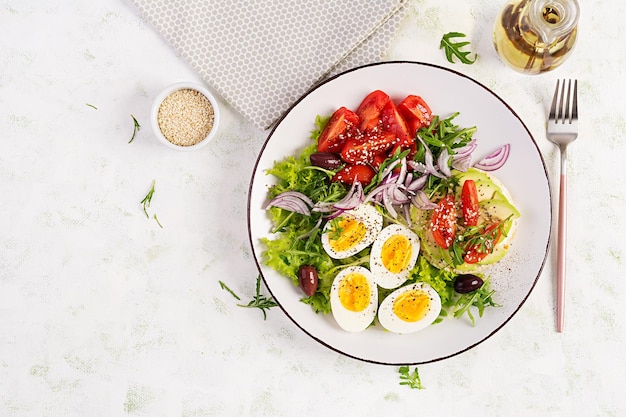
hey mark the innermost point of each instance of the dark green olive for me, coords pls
(467, 283)
(326, 160)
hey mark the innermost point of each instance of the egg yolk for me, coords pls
(346, 234)
(354, 292)
(412, 305)
(396, 253)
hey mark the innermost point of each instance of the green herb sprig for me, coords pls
(453, 48)
(480, 299)
(258, 301)
(146, 204)
(148, 199)
(483, 237)
(136, 128)
(410, 379)
(225, 287)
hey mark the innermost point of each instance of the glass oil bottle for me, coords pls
(535, 36)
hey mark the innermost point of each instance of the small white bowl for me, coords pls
(154, 115)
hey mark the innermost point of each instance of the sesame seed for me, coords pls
(185, 117)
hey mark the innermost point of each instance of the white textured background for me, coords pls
(103, 313)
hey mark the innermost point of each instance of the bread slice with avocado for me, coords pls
(495, 207)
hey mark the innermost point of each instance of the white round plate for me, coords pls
(524, 175)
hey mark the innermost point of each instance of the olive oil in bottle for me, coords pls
(534, 36)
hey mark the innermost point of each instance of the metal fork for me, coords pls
(562, 129)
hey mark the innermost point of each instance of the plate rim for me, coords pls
(383, 63)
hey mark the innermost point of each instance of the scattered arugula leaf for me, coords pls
(136, 128)
(259, 301)
(480, 299)
(91, 105)
(225, 287)
(412, 380)
(453, 48)
(147, 199)
(157, 220)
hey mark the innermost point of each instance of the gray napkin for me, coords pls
(262, 55)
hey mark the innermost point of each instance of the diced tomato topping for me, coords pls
(370, 108)
(356, 172)
(416, 113)
(338, 129)
(469, 203)
(443, 222)
(363, 150)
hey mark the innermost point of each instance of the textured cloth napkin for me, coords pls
(262, 55)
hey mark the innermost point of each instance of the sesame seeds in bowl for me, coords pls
(185, 116)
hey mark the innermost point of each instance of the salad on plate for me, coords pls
(383, 219)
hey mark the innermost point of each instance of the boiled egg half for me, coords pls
(354, 298)
(393, 255)
(409, 308)
(352, 231)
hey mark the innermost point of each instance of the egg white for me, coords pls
(352, 321)
(384, 277)
(390, 321)
(364, 213)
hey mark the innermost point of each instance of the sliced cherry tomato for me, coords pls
(378, 160)
(416, 113)
(370, 108)
(443, 222)
(355, 172)
(469, 203)
(474, 255)
(364, 149)
(393, 122)
(478, 252)
(340, 126)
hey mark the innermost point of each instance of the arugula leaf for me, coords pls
(148, 199)
(480, 299)
(454, 48)
(136, 128)
(157, 220)
(225, 287)
(259, 301)
(410, 379)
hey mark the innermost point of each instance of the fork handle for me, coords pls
(561, 245)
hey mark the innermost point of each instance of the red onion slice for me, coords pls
(461, 164)
(418, 167)
(442, 163)
(467, 149)
(421, 201)
(353, 198)
(417, 184)
(292, 201)
(494, 160)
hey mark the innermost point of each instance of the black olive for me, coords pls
(307, 277)
(467, 283)
(326, 160)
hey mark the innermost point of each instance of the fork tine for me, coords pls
(575, 101)
(552, 115)
(567, 117)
